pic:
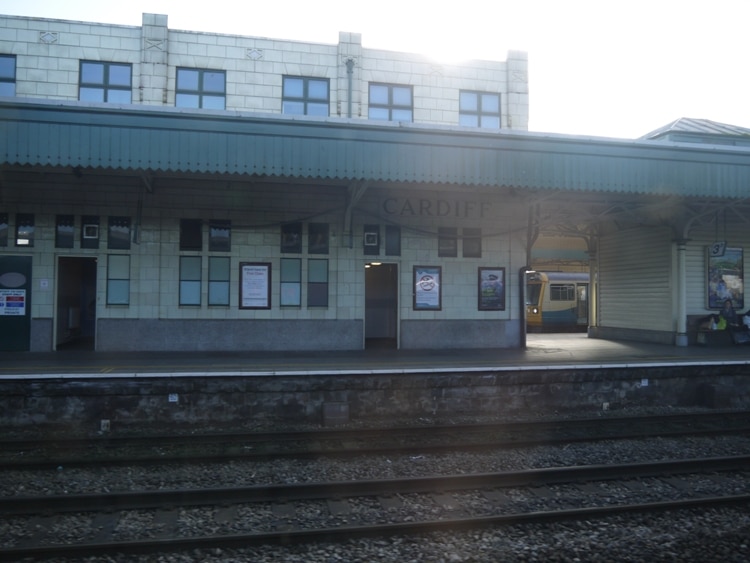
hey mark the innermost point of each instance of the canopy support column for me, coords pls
(681, 338)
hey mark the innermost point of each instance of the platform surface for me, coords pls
(547, 351)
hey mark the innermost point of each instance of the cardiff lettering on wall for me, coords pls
(424, 207)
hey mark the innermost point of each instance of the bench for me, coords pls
(713, 338)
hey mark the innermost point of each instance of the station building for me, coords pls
(166, 190)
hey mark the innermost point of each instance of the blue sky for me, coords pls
(596, 67)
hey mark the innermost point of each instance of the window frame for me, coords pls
(390, 105)
(479, 112)
(118, 242)
(472, 242)
(112, 279)
(318, 238)
(392, 240)
(200, 91)
(447, 242)
(25, 230)
(290, 282)
(218, 242)
(305, 99)
(562, 292)
(371, 239)
(105, 86)
(187, 284)
(90, 239)
(4, 229)
(9, 80)
(191, 235)
(219, 281)
(291, 238)
(65, 238)
(318, 286)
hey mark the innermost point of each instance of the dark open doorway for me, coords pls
(76, 304)
(381, 305)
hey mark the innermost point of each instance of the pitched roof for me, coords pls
(687, 129)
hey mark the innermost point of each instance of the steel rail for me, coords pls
(132, 547)
(47, 504)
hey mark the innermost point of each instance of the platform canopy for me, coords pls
(636, 180)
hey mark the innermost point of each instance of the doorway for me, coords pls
(15, 303)
(75, 327)
(381, 305)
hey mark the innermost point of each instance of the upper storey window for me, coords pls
(105, 82)
(7, 75)
(479, 109)
(204, 89)
(305, 96)
(389, 102)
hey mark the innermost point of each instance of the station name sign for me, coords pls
(424, 207)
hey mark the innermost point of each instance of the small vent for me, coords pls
(371, 239)
(91, 231)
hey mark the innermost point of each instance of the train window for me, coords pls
(562, 292)
(533, 292)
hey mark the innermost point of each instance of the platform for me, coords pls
(80, 392)
(546, 351)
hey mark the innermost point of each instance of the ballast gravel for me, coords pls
(73, 480)
(684, 536)
(720, 535)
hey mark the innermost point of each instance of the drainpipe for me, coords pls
(522, 296)
(350, 77)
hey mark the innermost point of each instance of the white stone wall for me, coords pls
(255, 236)
(49, 51)
(500, 220)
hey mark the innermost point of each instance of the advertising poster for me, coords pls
(12, 302)
(255, 285)
(427, 288)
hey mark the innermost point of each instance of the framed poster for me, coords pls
(255, 285)
(725, 278)
(427, 288)
(491, 289)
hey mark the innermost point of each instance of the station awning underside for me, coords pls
(175, 141)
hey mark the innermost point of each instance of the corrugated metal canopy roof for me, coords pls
(179, 141)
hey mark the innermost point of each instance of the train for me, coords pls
(557, 301)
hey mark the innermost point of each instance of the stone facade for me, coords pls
(67, 304)
(48, 54)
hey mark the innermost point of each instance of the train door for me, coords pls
(15, 303)
(76, 303)
(534, 293)
(381, 305)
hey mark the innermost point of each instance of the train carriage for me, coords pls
(557, 301)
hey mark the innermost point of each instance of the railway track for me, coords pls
(40, 454)
(177, 520)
